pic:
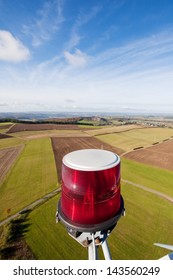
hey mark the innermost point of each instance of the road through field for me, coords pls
(44, 199)
(167, 197)
(31, 206)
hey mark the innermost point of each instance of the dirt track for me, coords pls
(5, 126)
(31, 206)
(53, 193)
(167, 197)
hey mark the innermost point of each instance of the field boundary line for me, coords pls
(31, 206)
(167, 197)
(120, 131)
(10, 127)
(113, 132)
(146, 147)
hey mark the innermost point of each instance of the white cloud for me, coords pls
(74, 39)
(68, 100)
(11, 49)
(77, 59)
(3, 104)
(136, 76)
(82, 19)
(46, 23)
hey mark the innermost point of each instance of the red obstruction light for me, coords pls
(91, 198)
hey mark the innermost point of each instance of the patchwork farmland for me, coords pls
(36, 172)
(35, 131)
(38, 127)
(126, 241)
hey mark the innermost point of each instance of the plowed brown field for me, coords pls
(7, 158)
(37, 127)
(160, 155)
(64, 145)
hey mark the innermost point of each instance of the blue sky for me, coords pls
(76, 55)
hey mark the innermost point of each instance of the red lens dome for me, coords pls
(90, 186)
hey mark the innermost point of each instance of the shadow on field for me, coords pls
(17, 230)
(15, 247)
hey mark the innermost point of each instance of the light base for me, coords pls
(93, 241)
(91, 236)
(76, 228)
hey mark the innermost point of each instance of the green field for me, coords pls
(148, 176)
(5, 123)
(148, 219)
(48, 240)
(128, 140)
(33, 175)
(89, 122)
(10, 142)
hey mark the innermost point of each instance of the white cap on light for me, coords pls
(91, 160)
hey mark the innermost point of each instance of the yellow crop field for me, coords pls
(10, 142)
(131, 139)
